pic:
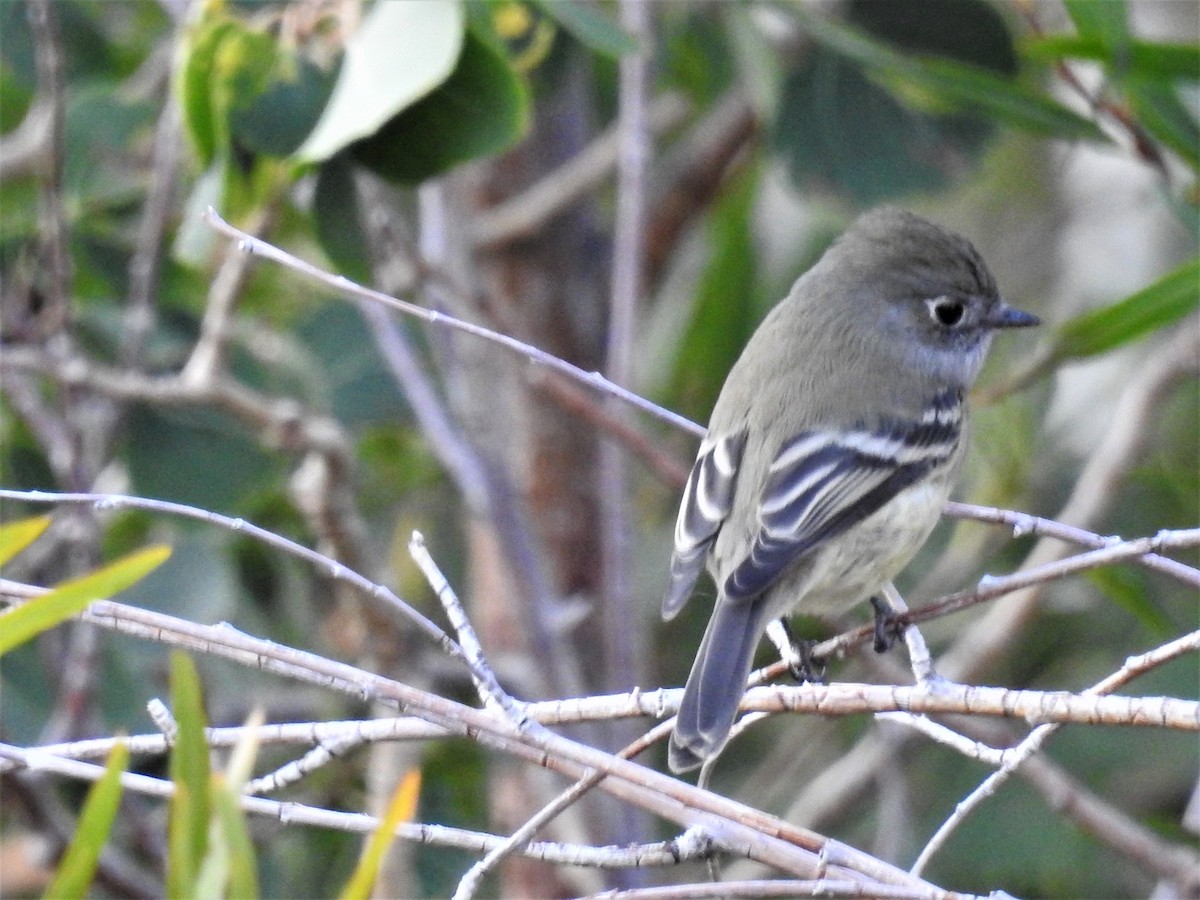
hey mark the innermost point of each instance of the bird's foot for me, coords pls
(888, 628)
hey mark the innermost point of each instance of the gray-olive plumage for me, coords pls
(832, 447)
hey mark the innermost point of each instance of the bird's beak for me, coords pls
(1005, 316)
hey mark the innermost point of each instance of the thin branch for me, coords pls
(52, 216)
(146, 262)
(331, 568)
(1012, 759)
(490, 691)
(825, 887)
(1024, 523)
(985, 640)
(249, 244)
(622, 651)
(526, 213)
(736, 828)
(207, 360)
(289, 812)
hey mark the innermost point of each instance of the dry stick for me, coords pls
(992, 587)
(1024, 523)
(331, 568)
(226, 641)
(1013, 758)
(755, 889)
(146, 262)
(523, 215)
(735, 827)
(622, 652)
(290, 812)
(521, 838)
(249, 244)
(486, 684)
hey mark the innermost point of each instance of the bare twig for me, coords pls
(1024, 523)
(656, 854)
(1012, 759)
(490, 691)
(527, 212)
(735, 828)
(145, 263)
(249, 244)
(331, 568)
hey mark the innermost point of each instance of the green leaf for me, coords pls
(400, 53)
(204, 122)
(73, 597)
(1003, 100)
(1137, 58)
(1107, 20)
(723, 314)
(237, 848)
(1127, 588)
(78, 866)
(481, 109)
(961, 85)
(16, 536)
(1160, 111)
(229, 868)
(593, 29)
(187, 829)
(401, 808)
(336, 218)
(1162, 303)
(271, 97)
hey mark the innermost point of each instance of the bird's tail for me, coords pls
(717, 682)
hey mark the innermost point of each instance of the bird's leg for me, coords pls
(889, 606)
(796, 652)
(888, 627)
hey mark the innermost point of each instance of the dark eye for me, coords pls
(946, 312)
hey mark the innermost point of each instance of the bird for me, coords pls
(832, 448)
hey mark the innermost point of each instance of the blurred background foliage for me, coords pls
(1063, 138)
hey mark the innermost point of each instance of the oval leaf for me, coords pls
(72, 597)
(401, 52)
(481, 109)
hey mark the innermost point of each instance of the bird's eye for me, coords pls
(946, 312)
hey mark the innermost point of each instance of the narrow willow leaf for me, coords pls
(16, 536)
(1162, 303)
(401, 808)
(963, 85)
(187, 829)
(1107, 20)
(1138, 58)
(1160, 111)
(238, 849)
(72, 597)
(229, 868)
(78, 866)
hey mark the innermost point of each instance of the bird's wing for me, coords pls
(706, 502)
(822, 482)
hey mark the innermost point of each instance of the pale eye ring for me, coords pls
(946, 311)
